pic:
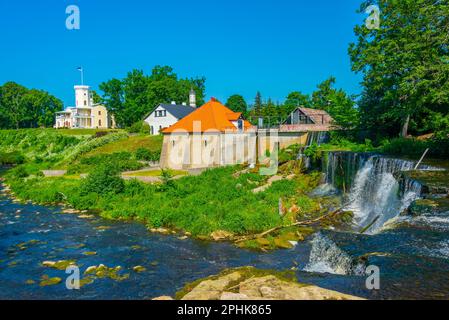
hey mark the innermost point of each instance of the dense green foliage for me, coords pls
(147, 155)
(201, 204)
(26, 108)
(405, 68)
(237, 103)
(336, 102)
(103, 180)
(131, 98)
(122, 161)
(10, 158)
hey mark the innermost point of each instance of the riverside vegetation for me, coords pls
(219, 204)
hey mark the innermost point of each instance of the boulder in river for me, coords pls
(221, 235)
(248, 283)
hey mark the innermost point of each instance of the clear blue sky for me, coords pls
(240, 46)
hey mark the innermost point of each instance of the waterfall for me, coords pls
(374, 194)
(327, 257)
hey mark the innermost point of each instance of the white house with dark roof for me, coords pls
(166, 115)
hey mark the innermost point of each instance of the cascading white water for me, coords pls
(327, 257)
(376, 196)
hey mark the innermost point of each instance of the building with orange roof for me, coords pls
(211, 136)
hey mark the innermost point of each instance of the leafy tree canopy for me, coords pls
(405, 64)
(237, 103)
(131, 98)
(26, 108)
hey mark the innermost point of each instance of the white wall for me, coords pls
(160, 122)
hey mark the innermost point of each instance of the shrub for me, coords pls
(139, 127)
(10, 158)
(147, 155)
(105, 179)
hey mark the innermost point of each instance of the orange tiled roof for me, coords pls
(213, 116)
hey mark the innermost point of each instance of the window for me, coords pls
(151, 130)
(85, 102)
(240, 124)
(160, 113)
(99, 123)
(99, 113)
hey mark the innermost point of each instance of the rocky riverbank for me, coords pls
(248, 283)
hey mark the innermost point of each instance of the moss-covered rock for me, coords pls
(59, 265)
(428, 207)
(47, 281)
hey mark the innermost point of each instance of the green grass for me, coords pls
(129, 144)
(155, 173)
(214, 200)
(83, 132)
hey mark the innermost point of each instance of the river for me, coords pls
(413, 257)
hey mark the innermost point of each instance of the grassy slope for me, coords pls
(130, 144)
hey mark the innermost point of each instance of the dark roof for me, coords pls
(316, 115)
(178, 111)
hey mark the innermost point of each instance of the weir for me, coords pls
(371, 186)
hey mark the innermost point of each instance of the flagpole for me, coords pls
(80, 69)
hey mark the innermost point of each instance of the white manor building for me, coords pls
(166, 115)
(86, 114)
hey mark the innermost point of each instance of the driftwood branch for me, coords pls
(296, 224)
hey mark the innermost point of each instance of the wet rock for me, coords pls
(221, 235)
(86, 216)
(272, 288)
(70, 211)
(183, 238)
(59, 265)
(252, 284)
(47, 281)
(89, 253)
(163, 298)
(102, 228)
(102, 271)
(139, 269)
(424, 207)
(160, 230)
(212, 289)
(29, 282)
(282, 243)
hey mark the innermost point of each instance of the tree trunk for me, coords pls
(404, 131)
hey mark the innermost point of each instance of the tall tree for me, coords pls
(337, 103)
(297, 99)
(237, 103)
(258, 104)
(405, 62)
(24, 108)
